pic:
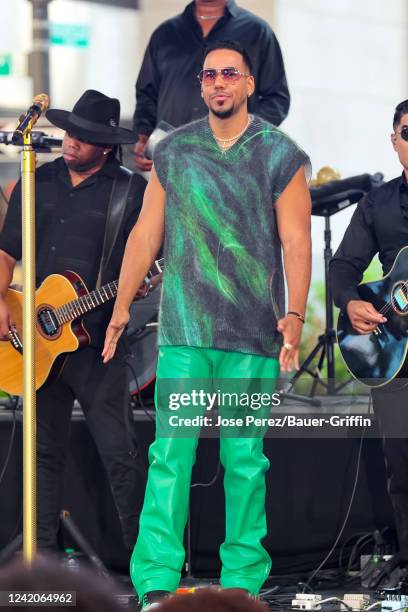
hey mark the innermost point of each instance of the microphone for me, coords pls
(29, 119)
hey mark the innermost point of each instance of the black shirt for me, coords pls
(70, 228)
(167, 88)
(379, 225)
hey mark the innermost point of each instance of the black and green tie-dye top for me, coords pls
(223, 284)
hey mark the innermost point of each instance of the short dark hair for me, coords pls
(400, 110)
(233, 46)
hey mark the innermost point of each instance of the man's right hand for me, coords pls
(363, 316)
(114, 331)
(5, 321)
(141, 162)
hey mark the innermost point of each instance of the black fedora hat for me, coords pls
(95, 118)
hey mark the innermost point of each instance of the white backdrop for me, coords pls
(16, 40)
(110, 62)
(347, 69)
(346, 61)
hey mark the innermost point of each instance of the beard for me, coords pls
(223, 114)
(79, 166)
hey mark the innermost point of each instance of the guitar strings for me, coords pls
(68, 311)
(388, 305)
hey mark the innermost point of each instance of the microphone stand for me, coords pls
(23, 133)
(39, 140)
(29, 387)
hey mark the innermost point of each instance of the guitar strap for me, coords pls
(115, 214)
(114, 218)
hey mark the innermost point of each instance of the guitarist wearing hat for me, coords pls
(380, 226)
(86, 206)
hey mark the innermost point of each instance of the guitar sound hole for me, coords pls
(48, 322)
(400, 298)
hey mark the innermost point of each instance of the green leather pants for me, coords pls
(159, 554)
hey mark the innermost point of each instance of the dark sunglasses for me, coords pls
(229, 75)
(403, 132)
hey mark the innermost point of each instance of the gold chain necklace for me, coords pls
(225, 141)
(209, 17)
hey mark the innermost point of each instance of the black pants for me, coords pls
(103, 394)
(391, 410)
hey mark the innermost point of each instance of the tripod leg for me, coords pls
(317, 378)
(188, 561)
(9, 550)
(82, 543)
(303, 368)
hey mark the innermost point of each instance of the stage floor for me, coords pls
(279, 591)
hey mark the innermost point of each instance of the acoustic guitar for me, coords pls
(378, 358)
(60, 303)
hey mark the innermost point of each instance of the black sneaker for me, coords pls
(152, 599)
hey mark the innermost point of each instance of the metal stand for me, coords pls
(77, 536)
(29, 390)
(324, 349)
(328, 199)
(8, 551)
(82, 543)
(189, 557)
(23, 131)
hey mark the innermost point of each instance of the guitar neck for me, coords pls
(86, 303)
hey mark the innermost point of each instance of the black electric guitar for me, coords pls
(376, 359)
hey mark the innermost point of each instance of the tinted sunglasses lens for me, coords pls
(230, 74)
(404, 132)
(208, 76)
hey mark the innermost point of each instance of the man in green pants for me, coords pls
(229, 193)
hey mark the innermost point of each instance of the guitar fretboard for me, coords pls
(86, 303)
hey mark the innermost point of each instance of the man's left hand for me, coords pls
(291, 329)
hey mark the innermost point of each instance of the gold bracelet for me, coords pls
(297, 315)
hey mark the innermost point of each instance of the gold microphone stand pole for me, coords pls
(23, 130)
(29, 387)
